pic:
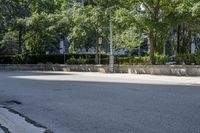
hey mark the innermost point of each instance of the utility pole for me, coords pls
(111, 57)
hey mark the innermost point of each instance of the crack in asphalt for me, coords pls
(13, 102)
(28, 120)
(6, 130)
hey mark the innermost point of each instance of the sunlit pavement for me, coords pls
(104, 103)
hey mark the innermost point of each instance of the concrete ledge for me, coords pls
(54, 67)
(177, 70)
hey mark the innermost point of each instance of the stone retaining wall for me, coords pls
(178, 70)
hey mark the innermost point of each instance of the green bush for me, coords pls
(131, 60)
(5, 59)
(54, 59)
(123, 60)
(187, 59)
(197, 58)
(180, 59)
(73, 61)
(161, 60)
(105, 61)
(141, 60)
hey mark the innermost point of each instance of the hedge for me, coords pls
(188, 59)
(53, 59)
(78, 59)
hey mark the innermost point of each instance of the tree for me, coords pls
(15, 10)
(43, 25)
(151, 16)
(36, 25)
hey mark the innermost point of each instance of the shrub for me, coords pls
(5, 59)
(197, 58)
(54, 59)
(90, 59)
(161, 60)
(141, 60)
(73, 61)
(123, 60)
(187, 59)
(132, 60)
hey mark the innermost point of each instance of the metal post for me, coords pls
(111, 57)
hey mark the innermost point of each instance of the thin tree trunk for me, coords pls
(178, 38)
(155, 43)
(20, 41)
(151, 47)
(97, 49)
(189, 41)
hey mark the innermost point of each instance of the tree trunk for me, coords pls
(97, 49)
(189, 41)
(178, 38)
(20, 41)
(151, 47)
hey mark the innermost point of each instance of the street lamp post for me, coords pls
(111, 57)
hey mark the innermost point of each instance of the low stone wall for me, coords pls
(54, 67)
(178, 70)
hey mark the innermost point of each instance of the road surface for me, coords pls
(103, 103)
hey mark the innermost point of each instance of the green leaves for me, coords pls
(196, 10)
(38, 23)
(128, 39)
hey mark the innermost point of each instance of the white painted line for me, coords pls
(17, 124)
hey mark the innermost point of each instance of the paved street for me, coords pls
(103, 103)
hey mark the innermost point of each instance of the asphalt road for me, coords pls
(104, 103)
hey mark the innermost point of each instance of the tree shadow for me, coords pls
(113, 107)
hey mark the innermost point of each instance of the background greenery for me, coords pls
(181, 59)
(30, 27)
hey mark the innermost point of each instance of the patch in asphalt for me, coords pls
(13, 122)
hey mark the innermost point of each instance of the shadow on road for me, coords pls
(109, 107)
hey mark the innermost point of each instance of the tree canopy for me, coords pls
(34, 27)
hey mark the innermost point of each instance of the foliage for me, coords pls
(35, 27)
(129, 39)
(187, 59)
(8, 43)
(77, 59)
(160, 60)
